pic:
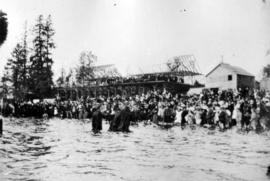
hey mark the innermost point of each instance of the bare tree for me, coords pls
(85, 70)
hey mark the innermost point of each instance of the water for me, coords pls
(67, 150)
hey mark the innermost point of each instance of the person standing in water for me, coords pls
(96, 119)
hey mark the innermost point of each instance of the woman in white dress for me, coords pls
(178, 116)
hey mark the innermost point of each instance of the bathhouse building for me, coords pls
(226, 76)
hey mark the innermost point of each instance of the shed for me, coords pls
(226, 76)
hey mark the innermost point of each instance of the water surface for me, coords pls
(58, 149)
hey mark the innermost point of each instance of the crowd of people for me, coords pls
(246, 109)
(138, 78)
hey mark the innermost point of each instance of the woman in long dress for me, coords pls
(178, 116)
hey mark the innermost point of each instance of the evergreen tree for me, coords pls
(17, 62)
(16, 69)
(25, 63)
(36, 60)
(7, 80)
(49, 46)
(19, 71)
(41, 62)
(15, 76)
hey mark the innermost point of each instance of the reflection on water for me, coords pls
(67, 150)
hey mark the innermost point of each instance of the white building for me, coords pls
(226, 76)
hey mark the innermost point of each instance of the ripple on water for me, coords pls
(67, 150)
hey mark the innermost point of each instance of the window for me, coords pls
(229, 77)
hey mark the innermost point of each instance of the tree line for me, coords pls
(28, 71)
(80, 75)
(85, 72)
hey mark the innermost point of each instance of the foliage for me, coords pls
(6, 81)
(19, 71)
(41, 82)
(26, 75)
(85, 70)
(3, 27)
(15, 76)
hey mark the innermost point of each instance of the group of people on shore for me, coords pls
(246, 109)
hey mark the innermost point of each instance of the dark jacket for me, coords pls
(97, 121)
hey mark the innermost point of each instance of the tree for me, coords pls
(49, 46)
(68, 78)
(112, 72)
(16, 69)
(85, 70)
(36, 60)
(15, 74)
(41, 61)
(7, 80)
(3, 27)
(61, 80)
(25, 63)
(19, 71)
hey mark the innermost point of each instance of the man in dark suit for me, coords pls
(125, 119)
(96, 119)
(121, 121)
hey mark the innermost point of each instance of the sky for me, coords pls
(135, 35)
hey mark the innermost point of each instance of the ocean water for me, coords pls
(66, 150)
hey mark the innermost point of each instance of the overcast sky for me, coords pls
(135, 34)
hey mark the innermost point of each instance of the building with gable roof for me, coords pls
(226, 76)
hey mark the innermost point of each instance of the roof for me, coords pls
(182, 73)
(183, 65)
(237, 70)
(162, 69)
(102, 67)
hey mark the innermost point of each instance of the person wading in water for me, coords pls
(96, 119)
